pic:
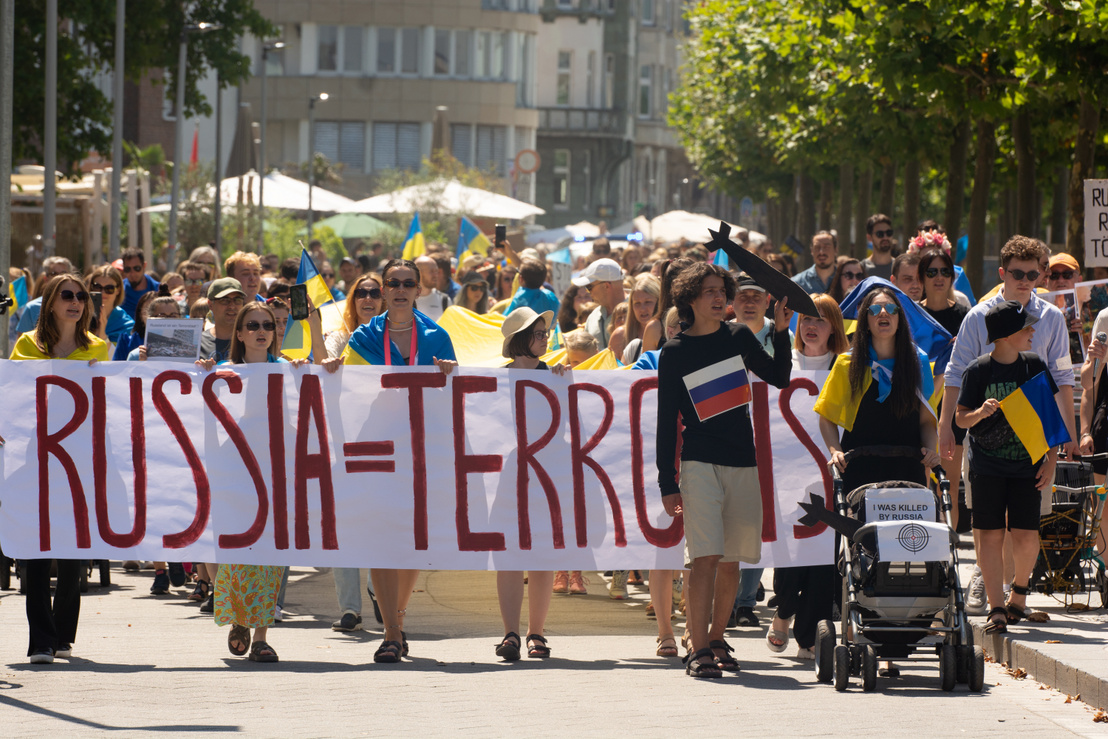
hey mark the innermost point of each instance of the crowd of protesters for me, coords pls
(669, 307)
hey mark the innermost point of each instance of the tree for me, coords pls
(153, 33)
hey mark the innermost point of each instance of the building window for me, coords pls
(561, 178)
(566, 4)
(590, 79)
(648, 12)
(342, 142)
(386, 50)
(328, 37)
(481, 55)
(396, 146)
(461, 143)
(646, 89)
(442, 52)
(565, 65)
(524, 66)
(409, 50)
(492, 148)
(498, 68)
(462, 42)
(586, 170)
(352, 37)
(609, 80)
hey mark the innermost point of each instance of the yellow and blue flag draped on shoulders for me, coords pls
(838, 403)
(17, 291)
(471, 241)
(1033, 414)
(297, 343)
(413, 243)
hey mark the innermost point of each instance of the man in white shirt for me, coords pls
(431, 301)
(604, 281)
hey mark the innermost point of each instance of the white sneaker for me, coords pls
(975, 594)
(617, 589)
(278, 616)
(803, 653)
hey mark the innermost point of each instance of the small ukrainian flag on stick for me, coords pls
(471, 240)
(414, 245)
(1033, 414)
(297, 343)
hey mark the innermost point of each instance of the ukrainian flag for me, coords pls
(17, 291)
(471, 240)
(297, 343)
(1033, 414)
(413, 244)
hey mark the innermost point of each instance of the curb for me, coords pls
(1050, 671)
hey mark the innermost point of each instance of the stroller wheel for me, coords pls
(869, 669)
(842, 667)
(976, 678)
(825, 651)
(948, 667)
(963, 654)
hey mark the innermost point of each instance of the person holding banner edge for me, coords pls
(702, 378)
(62, 333)
(403, 336)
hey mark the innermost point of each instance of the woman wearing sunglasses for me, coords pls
(474, 294)
(848, 273)
(399, 336)
(246, 595)
(61, 333)
(525, 336)
(936, 274)
(113, 324)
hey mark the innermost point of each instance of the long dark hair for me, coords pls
(906, 373)
(841, 263)
(567, 311)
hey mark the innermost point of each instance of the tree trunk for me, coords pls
(911, 200)
(1005, 225)
(1058, 207)
(979, 203)
(956, 180)
(826, 191)
(1088, 122)
(1025, 173)
(806, 216)
(771, 221)
(862, 211)
(888, 188)
(846, 194)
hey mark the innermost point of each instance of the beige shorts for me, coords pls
(722, 512)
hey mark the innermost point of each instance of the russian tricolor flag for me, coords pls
(719, 388)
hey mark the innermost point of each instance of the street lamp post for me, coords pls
(182, 61)
(267, 46)
(311, 155)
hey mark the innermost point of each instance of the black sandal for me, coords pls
(387, 653)
(507, 649)
(997, 626)
(240, 635)
(536, 646)
(695, 668)
(262, 652)
(1015, 613)
(403, 644)
(726, 663)
(201, 591)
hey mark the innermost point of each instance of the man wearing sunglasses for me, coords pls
(225, 300)
(1019, 272)
(136, 282)
(604, 281)
(1063, 272)
(879, 230)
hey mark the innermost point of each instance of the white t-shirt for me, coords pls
(433, 304)
(804, 362)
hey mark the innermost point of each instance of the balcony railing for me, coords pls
(592, 121)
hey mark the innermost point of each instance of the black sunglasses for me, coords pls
(135, 268)
(1065, 275)
(367, 292)
(395, 283)
(106, 289)
(253, 326)
(854, 275)
(328, 275)
(933, 272)
(883, 234)
(1019, 274)
(69, 296)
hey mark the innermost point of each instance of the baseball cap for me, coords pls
(223, 287)
(746, 282)
(602, 270)
(1064, 260)
(1006, 318)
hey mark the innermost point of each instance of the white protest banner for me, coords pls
(372, 466)
(1096, 223)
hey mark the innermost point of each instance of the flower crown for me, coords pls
(928, 240)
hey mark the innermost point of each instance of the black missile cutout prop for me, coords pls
(762, 272)
(815, 511)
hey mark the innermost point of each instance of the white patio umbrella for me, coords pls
(281, 191)
(677, 224)
(444, 196)
(583, 229)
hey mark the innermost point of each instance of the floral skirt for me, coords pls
(247, 594)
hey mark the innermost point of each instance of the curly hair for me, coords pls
(688, 285)
(906, 377)
(1023, 248)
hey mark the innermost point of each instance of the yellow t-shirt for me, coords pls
(26, 348)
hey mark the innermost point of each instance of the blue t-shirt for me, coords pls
(131, 295)
(539, 300)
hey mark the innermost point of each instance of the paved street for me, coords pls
(147, 664)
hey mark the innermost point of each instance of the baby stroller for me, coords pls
(1067, 563)
(895, 609)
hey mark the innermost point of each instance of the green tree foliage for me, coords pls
(153, 34)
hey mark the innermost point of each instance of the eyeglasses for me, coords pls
(133, 268)
(253, 326)
(194, 283)
(854, 275)
(933, 272)
(406, 284)
(328, 275)
(367, 292)
(1019, 275)
(69, 296)
(890, 308)
(106, 289)
(543, 335)
(476, 286)
(1066, 275)
(230, 300)
(883, 234)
